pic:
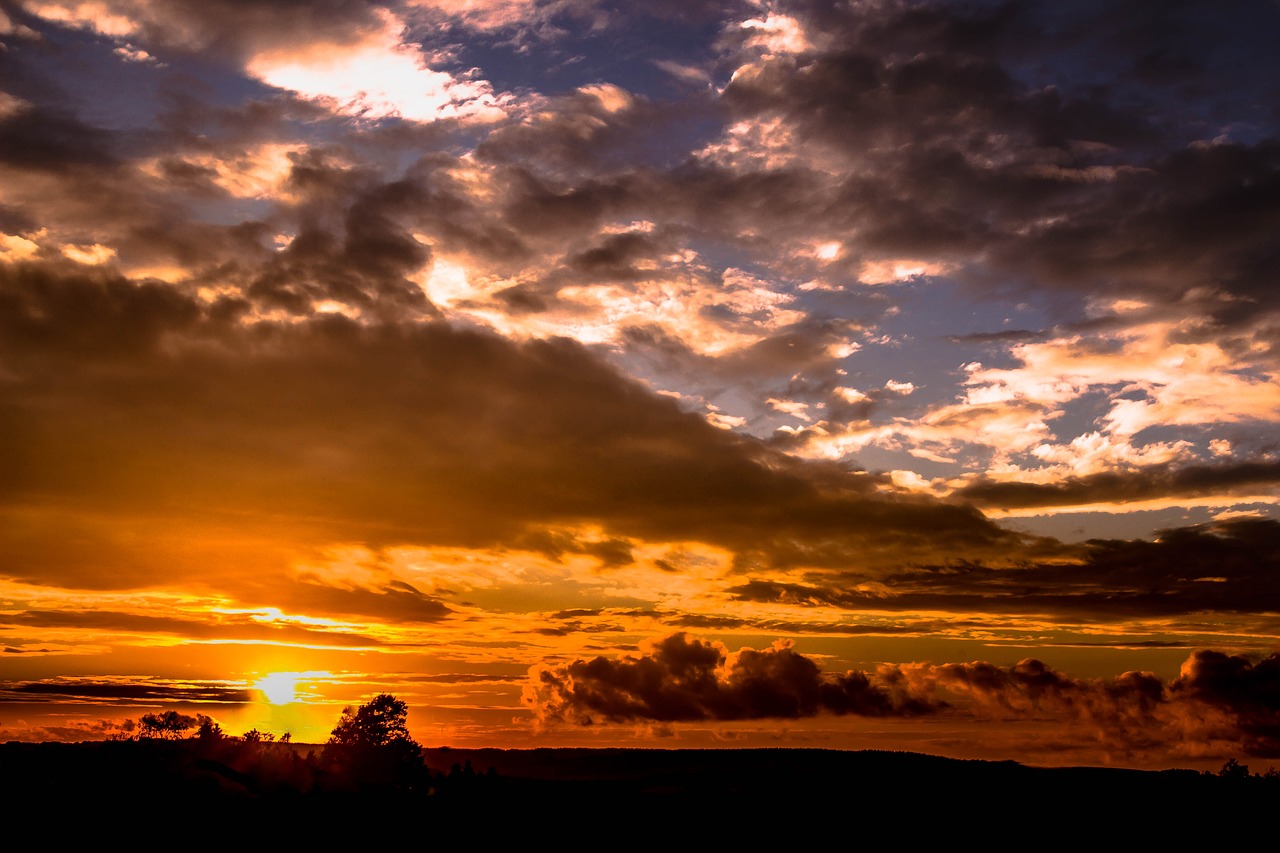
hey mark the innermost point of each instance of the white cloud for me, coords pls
(1094, 453)
(795, 408)
(850, 395)
(379, 77)
(889, 270)
(368, 73)
(777, 34)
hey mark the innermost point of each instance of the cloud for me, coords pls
(349, 56)
(1138, 378)
(396, 601)
(124, 690)
(72, 731)
(1172, 482)
(682, 679)
(258, 171)
(1218, 699)
(486, 14)
(224, 28)
(222, 627)
(1158, 377)
(716, 316)
(1227, 568)
(950, 142)
(1245, 692)
(380, 76)
(205, 419)
(592, 133)
(52, 139)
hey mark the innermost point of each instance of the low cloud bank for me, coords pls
(1218, 700)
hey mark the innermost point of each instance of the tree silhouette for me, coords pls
(370, 748)
(208, 730)
(1234, 770)
(170, 725)
(381, 721)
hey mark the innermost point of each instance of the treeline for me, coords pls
(1234, 771)
(170, 766)
(184, 775)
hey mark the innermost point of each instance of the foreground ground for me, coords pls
(630, 798)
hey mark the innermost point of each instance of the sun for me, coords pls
(280, 688)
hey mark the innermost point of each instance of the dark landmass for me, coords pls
(640, 797)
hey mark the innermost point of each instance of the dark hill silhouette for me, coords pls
(638, 795)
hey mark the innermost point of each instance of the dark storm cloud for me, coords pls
(1247, 691)
(1228, 567)
(1000, 132)
(362, 261)
(52, 320)
(540, 210)
(679, 678)
(614, 258)
(53, 139)
(1203, 216)
(1156, 481)
(1217, 697)
(602, 130)
(582, 165)
(132, 398)
(1031, 685)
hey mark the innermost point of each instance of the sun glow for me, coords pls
(280, 688)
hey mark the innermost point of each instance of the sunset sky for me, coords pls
(862, 375)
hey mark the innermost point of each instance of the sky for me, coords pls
(857, 375)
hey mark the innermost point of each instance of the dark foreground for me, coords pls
(171, 793)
